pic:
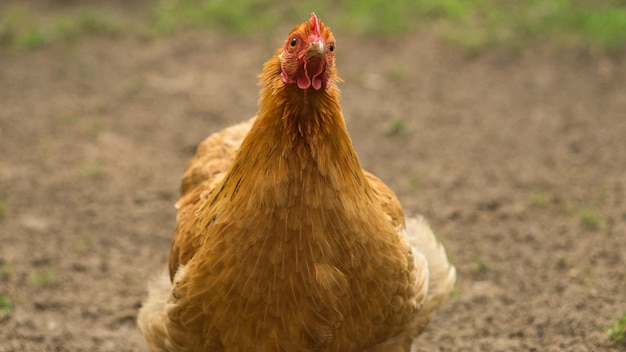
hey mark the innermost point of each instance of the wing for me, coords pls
(207, 168)
(387, 200)
(435, 275)
(203, 172)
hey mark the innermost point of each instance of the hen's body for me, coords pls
(284, 243)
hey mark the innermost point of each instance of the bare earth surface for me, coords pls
(509, 157)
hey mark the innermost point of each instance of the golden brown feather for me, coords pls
(283, 242)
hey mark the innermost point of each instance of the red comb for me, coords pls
(315, 25)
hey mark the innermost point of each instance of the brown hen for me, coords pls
(283, 242)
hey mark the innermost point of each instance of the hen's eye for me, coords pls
(293, 42)
(331, 47)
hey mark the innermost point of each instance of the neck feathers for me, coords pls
(305, 121)
(298, 145)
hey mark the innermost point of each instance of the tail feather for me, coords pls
(442, 273)
(152, 315)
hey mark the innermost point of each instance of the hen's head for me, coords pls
(308, 57)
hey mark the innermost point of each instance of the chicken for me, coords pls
(283, 242)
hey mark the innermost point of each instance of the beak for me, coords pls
(316, 48)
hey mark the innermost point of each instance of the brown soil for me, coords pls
(503, 154)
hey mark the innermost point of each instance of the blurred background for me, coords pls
(503, 123)
(473, 25)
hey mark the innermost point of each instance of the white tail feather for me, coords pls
(442, 275)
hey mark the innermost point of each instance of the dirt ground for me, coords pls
(518, 162)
